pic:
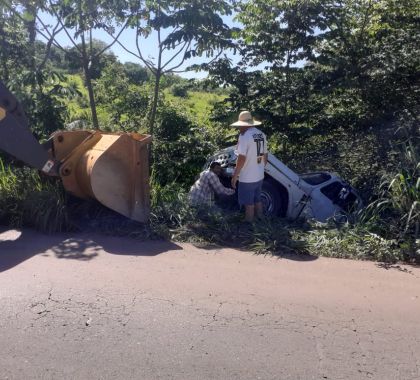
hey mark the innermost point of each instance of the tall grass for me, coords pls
(172, 217)
(27, 199)
(366, 238)
(397, 210)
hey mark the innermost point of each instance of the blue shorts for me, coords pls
(249, 193)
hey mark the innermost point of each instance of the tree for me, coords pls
(136, 73)
(78, 19)
(12, 42)
(99, 59)
(24, 70)
(126, 105)
(328, 78)
(357, 57)
(183, 29)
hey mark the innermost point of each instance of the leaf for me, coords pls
(27, 16)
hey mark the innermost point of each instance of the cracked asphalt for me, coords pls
(95, 307)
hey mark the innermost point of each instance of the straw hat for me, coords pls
(245, 120)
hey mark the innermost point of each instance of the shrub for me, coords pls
(180, 147)
(27, 199)
(180, 90)
(349, 242)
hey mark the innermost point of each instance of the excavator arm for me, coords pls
(112, 168)
(16, 137)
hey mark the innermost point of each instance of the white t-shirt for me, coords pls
(253, 145)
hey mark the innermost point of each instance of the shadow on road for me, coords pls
(16, 246)
(302, 257)
(400, 268)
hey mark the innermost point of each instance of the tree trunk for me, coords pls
(153, 109)
(152, 116)
(88, 82)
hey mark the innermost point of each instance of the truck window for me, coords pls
(315, 178)
(341, 195)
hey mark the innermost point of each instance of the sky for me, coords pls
(128, 39)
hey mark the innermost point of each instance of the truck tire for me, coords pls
(271, 199)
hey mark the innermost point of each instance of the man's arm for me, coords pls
(242, 150)
(240, 162)
(217, 186)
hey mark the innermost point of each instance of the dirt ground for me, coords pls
(95, 307)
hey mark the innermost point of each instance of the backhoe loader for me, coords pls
(112, 168)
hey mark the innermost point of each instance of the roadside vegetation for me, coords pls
(339, 92)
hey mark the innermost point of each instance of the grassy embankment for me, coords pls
(29, 199)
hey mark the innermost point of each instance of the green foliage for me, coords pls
(180, 90)
(125, 104)
(397, 209)
(44, 103)
(336, 78)
(136, 73)
(98, 62)
(14, 47)
(181, 147)
(172, 218)
(349, 242)
(190, 29)
(27, 199)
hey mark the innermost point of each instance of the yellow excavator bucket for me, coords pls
(110, 167)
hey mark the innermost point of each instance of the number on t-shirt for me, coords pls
(260, 148)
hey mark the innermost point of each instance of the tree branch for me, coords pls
(127, 50)
(49, 44)
(176, 45)
(176, 55)
(114, 40)
(47, 38)
(172, 69)
(147, 63)
(65, 29)
(216, 57)
(364, 23)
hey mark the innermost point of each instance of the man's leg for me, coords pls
(259, 210)
(257, 201)
(249, 213)
(246, 197)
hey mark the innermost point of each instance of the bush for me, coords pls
(397, 210)
(349, 242)
(180, 147)
(27, 199)
(180, 90)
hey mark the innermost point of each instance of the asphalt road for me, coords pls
(95, 307)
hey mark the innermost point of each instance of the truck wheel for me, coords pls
(271, 199)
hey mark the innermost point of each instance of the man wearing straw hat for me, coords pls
(252, 158)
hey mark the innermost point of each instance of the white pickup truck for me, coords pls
(319, 195)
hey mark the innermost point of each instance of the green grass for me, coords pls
(29, 199)
(198, 104)
(173, 219)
